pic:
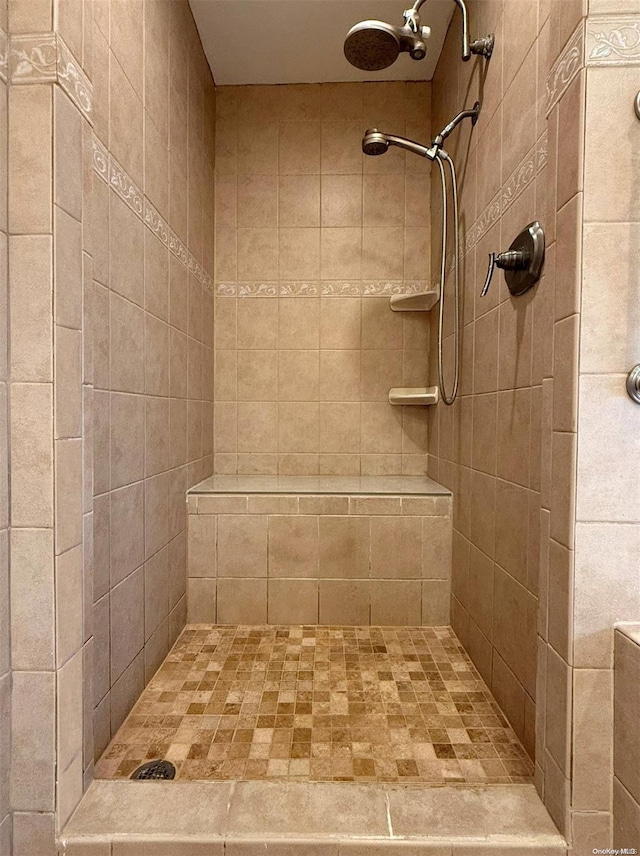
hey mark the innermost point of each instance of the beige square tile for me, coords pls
(32, 455)
(344, 547)
(396, 547)
(558, 710)
(341, 200)
(381, 431)
(241, 601)
(67, 154)
(340, 323)
(383, 200)
(592, 741)
(298, 322)
(31, 262)
(436, 603)
(201, 597)
(68, 270)
(32, 599)
(257, 254)
(126, 258)
(257, 426)
(257, 323)
(299, 201)
(69, 603)
(395, 602)
(126, 438)
(382, 252)
(293, 602)
(293, 546)
(242, 546)
(344, 602)
(340, 427)
(436, 547)
(126, 120)
(30, 159)
(339, 375)
(341, 253)
(299, 147)
(298, 253)
(298, 427)
(341, 147)
(257, 197)
(298, 375)
(258, 375)
(33, 741)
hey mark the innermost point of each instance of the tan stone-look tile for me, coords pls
(32, 599)
(293, 546)
(32, 455)
(242, 546)
(592, 741)
(241, 600)
(33, 741)
(396, 547)
(558, 711)
(292, 601)
(30, 159)
(343, 547)
(344, 601)
(30, 259)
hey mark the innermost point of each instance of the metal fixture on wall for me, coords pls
(636, 105)
(375, 143)
(522, 262)
(633, 384)
(374, 45)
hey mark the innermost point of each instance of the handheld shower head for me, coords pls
(374, 45)
(375, 142)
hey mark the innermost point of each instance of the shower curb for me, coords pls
(246, 818)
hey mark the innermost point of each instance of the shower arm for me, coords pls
(472, 114)
(482, 47)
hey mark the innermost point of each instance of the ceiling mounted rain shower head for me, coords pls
(374, 45)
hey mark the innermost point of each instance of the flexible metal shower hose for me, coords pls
(448, 399)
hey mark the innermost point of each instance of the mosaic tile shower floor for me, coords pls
(320, 703)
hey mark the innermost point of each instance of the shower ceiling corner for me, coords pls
(300, 41)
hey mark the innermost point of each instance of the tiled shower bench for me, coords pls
(319, 550)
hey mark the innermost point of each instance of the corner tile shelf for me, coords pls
(422, 301)
(416, 396)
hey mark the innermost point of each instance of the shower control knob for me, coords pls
(523, 261)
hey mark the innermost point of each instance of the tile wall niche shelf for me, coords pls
(422, 301)
(416, 396)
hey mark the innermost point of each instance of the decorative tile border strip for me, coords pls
(4, 56)
(322, 288)
(110, 171)
(613, 41)
(535, 160)
(45, 58)
(566, 67)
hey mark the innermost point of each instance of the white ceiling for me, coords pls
(300, 41)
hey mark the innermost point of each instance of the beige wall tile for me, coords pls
(396, 547)
(344, 547)
(32, 455)
(292, 601)
(32, 600)
(33, 741)
(293, 546)
(626, 736)
(592, 738)
(30, 159)
(242, 546)
(31, 266)
(241, 601)
(436, 603)
(344, 602)
(395, 602)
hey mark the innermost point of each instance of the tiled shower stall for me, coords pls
(195, 282)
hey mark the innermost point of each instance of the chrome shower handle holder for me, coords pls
(522, 262)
